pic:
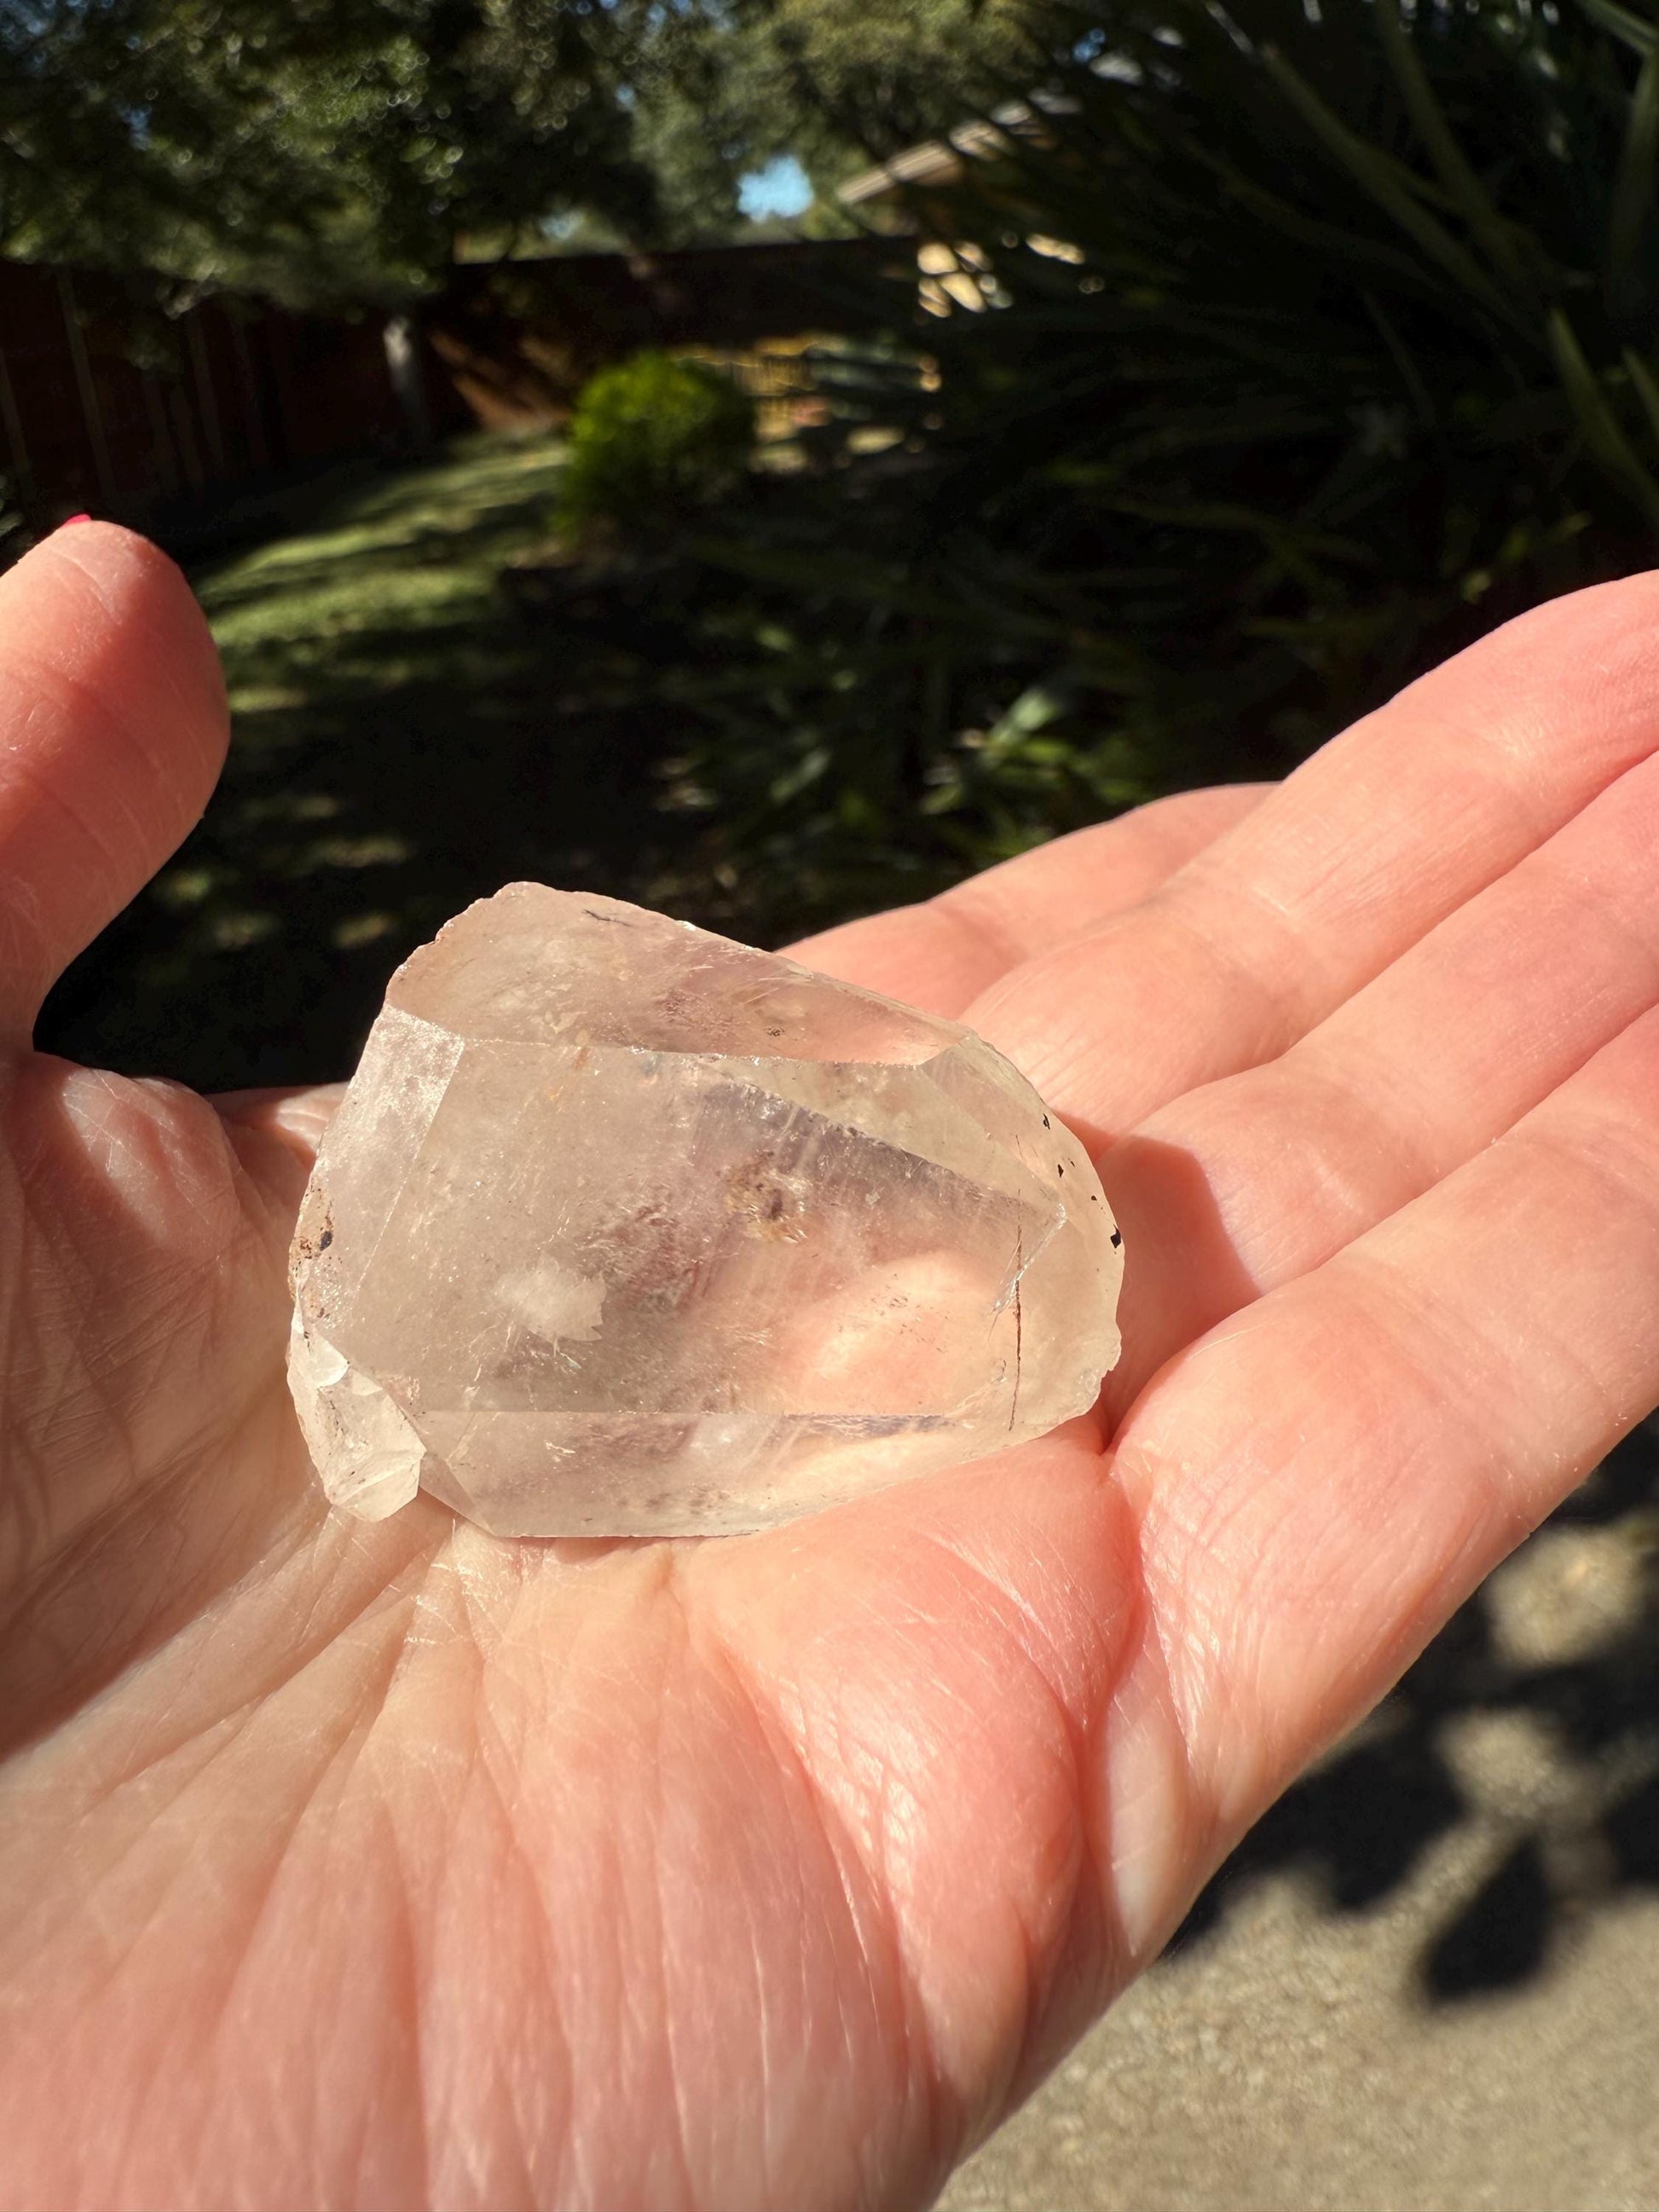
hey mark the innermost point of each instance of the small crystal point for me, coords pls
(623, 1228)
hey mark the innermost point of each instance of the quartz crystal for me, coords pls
(625, 1229)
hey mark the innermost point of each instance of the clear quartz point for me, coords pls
(623, 1228)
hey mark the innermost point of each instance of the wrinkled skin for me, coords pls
(381, 1866)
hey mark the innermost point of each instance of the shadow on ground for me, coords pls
(406, 738)
(1543, 1693)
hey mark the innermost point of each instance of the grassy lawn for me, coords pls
(405, 739)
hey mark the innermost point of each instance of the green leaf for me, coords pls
(1395, 191)
(1603, 432)
(1410, 375)
(1630, 217)
(1038, 705)
(1455, 172)
(1643, 384)
(1629, 29)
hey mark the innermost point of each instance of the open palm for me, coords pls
(394, 1864)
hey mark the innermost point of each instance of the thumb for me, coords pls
(112, 732)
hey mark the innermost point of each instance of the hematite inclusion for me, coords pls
(623, 1228)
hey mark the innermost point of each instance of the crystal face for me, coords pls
(625, 1229)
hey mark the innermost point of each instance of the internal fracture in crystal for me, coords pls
(623, 1228)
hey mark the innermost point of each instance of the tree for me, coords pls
(872, 81)
(722, 90)
(306, 144)
(342, 146)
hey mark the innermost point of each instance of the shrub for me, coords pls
(652, 440)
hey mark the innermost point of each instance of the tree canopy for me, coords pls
(838, 86)
(302, 143)
(345, 145)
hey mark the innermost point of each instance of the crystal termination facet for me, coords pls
(623, 1228)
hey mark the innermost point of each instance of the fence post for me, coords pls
(167, 465)
(184, 431)
(206, 399)
(16, 444)
(403, 363)
(88, 389)
(258, 445)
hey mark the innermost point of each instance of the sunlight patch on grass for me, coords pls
(264, 698)
(410, 552)
(387, 598)
(401, 745)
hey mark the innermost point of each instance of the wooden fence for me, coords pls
(107, 403)
(515, 340)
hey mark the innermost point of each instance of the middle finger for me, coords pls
(1372, 842)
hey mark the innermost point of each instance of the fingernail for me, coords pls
(70, 518)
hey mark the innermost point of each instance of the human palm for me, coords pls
(394, 1864)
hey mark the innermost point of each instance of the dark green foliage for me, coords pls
(1351, 349)
(839, 86)
(652, 440)
(1349, 352)
(322, 148)
(315, 148)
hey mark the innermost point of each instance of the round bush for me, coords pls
(653, 438)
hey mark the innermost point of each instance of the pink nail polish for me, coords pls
(70, 519)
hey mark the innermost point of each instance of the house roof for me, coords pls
(940, 160)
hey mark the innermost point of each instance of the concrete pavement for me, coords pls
(1429, 1981)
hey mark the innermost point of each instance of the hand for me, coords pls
(351, 1865)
